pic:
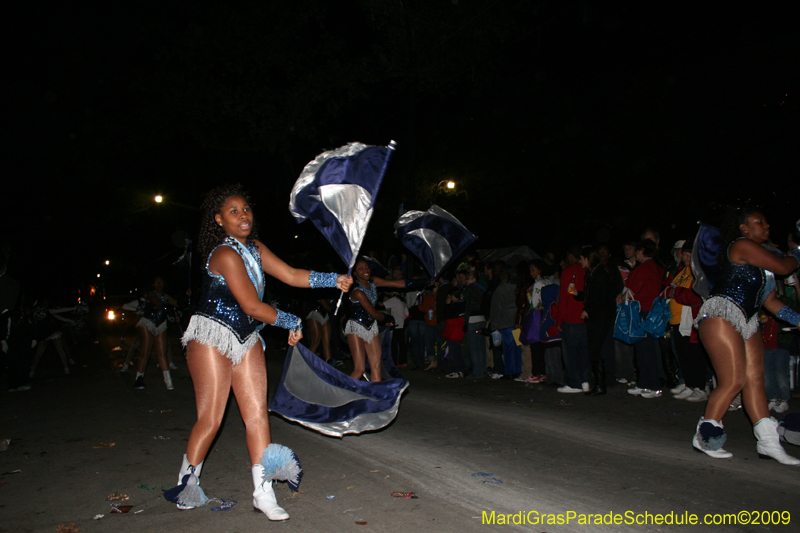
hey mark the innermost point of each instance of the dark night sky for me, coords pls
(563, 121)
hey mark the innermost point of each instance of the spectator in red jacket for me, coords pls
(644, 283)
(574, 342)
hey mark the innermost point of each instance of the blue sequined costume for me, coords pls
(154, 317)
(360, 322)
(219, 320)
(738, 294)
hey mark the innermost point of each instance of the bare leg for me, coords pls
(726, 349)
(358, 352)
(754, 396)
(40, 348)
(374, 355)
(61, 353)
(312, 330)
(326, 340)
(160, 347)
(211, 375)
(147, 346)
(249, 380)
(133, 348)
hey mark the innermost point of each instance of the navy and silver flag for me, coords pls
(705, 252)
(337, 191)
(313, 393)
(435, 236)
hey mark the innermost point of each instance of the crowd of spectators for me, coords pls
(477, 321)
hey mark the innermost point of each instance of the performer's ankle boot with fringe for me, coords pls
(278, 463)
(264, 496)
(709, 438)
(188, 494)
(769, 442)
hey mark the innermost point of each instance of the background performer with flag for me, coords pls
(362, 324)
(225, 350)
(337, 191)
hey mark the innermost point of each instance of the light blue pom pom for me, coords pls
(281, 464)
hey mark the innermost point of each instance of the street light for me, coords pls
(449, 186)
(108, 262)
(159, 198)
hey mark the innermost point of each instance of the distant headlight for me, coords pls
(111, 315)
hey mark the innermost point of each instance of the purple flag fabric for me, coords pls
(704, 258)
(337, 191)
(435, 236)
(316, 395)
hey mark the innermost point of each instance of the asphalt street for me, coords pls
(467, 448)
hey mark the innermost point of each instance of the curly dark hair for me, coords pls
(211, 233)
(730, 230)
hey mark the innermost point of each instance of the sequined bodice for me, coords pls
(155, 313)
(218, 303)
(742, 284)
(357, 311)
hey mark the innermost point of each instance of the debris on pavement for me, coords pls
(411, 495)
(116, 508)
(671, 413)
(491, 479)
(4, 444)
(68, 528)
(17, 471)
(331, 497)
(361, 522)
(225, 504)
(116, 497)
(98, 516)
(161, 438)
(105, 445)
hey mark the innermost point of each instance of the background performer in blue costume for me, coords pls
(728, 327)
(362, 325)
(224, 349)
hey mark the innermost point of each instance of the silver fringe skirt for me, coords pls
(719, 306)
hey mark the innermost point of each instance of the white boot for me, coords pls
(769, 442)
(264, 497)
(168, 380)
(711, 439)
(185, 469)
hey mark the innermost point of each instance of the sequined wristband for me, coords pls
(787, 314)
(287, 321)
(320, 280)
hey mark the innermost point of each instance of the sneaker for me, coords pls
(139, 383)
(622, 380)
(698, 395)
(781, 406)
(685, 393)
(679, 389)
(736, 404)
(585, 386)
(522, 380)
(454, 375)
(566, 389)
(124, 368)
(495, 376)
(534, 379)
(636, 391)
(173, 366)
(648, 393)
